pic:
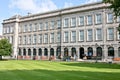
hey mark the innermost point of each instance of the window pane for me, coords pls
(98, 34)
(110, 34)
(73, 37)
(81, 35)
(110, 18)
(73, 22)
(81, 21)
(89, 20)
(66, 37)
(98, 18)
(66, 22)
(89, 34)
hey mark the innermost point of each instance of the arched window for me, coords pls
(111, 51)
(52, 52)
(45, 52)
(34, 52)
(40, 52)
(65, 51)
(29, 52)
(24, 52)
(73, 50)
(99, 51)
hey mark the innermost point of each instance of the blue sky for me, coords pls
(10, 8)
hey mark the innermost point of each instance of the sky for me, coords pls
(9, 8)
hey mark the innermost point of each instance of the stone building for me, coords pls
(86, 30)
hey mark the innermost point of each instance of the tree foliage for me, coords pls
(5, 47)
(115, 5)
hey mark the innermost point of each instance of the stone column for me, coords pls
(31, 53)
(77, 53)
(15, 44)
(48, 53)
(115, 52)
(55, 53)
(105, 53)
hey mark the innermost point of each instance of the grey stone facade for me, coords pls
(82, 31)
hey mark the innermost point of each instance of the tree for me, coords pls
(115, 5)
(5, 48)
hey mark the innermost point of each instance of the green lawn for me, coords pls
(47, 70)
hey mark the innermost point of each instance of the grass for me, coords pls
(47, 70)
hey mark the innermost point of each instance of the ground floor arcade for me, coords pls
(75, 53)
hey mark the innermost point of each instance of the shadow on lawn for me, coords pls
(94, 65)
(56, 75)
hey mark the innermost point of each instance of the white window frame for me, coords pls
(80, 35)
(73, 21)
(111, 19)
(81, 17)
(98, 21)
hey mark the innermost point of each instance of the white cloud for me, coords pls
(68, 4)
(91, 1)
(33, 6)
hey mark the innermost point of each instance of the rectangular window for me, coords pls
(52, 38)
(59, 24)
(99, 34)
(89, 35)
(35, 27)
(81, 20)
(81, 35)
(73, 36)
(19, 29)
(24, 40)
(118, 19)
(34, 39)
(46, 26)
(46, 38)
(58, 37)
(73, 22)
(19, 40)
(30, 27)
(110, 34)
(40, 26)
(66, 22)
(110, 18)
(66, 37)
(11, 30)
(98, 18)
(89, 20)
(40, 38)
(29, 39)
(52, 24)
(25, 28)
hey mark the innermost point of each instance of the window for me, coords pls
(29, 39)
(118, 19)
(98, 19)
(58, 23)
(4, 30)
(89, 35)
(110, 18)
(40, 38)
(46, 38)
(34, 39)
(19, 39)
(30, 27)
(66, 37)
(24, 40)
(81, 35)
(25, 28)
(58, 37)
(66, 22)
(46, 26)
(11, 29)
(73, 22)
(8, 29)
(35, 27)
(52, 24)
(89, 20)
(110, 34)
(11, 39)
(98, 34)
(81, 20)
(41, 26)
(52, 38)
(73, 36)
(19, 29)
